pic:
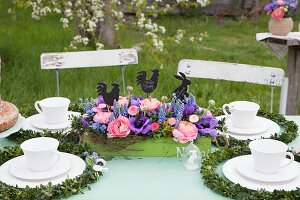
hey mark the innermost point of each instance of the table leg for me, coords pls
(293, 73)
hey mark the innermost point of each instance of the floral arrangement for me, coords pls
(183, 120)
(279, 9)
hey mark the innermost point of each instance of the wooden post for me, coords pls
(293, 72)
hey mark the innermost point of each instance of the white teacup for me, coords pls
(268, 155)
(243, 113)
(54, 109)
(41, 153)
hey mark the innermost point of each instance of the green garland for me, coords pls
(68, 143)
(238, 148)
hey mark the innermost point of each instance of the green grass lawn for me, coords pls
(22, 41)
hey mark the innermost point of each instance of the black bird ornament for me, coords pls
(150, 85)
(181, 91)
(109, 97)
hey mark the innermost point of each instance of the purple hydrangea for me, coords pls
(140, 125)
(135, 101)
(206, 125)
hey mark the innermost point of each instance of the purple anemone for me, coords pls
(135, 101)
(140, 125)
(206, 125)
(189, 109)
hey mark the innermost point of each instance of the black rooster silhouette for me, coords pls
(111, 96)
(181, 91)
(148, 86)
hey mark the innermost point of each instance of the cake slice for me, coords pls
(9, 115)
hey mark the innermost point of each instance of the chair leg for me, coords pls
(283, 96)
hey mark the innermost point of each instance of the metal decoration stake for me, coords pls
(149, 85)
(57, 81)
(123, 79)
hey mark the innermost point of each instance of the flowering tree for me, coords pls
(96, 19)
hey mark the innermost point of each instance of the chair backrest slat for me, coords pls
(82, 59)
(232, 72)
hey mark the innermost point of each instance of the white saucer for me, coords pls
(38, 121)
(18, 168)
(261, 125)
(274, 128)
(28, 125)
(78, 166)
(245, 167)
(230, 172)
(15, 128)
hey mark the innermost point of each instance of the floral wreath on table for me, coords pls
(116, 116)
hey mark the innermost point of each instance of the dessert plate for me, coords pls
(245, 167)
(230, 172)
(274, 128)
(261, 125)
(29, 126)
(18, 168)
(77, 168)
(15, 128)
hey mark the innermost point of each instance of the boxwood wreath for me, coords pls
(70, 143)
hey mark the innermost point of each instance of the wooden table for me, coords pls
(280, 45)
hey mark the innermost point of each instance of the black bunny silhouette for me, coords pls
(181, 91)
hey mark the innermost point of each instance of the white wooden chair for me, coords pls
(82, 59)
(240, 73)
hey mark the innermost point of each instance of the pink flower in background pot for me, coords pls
(154, 126)
(185, 132)
(152, 104)
(97, 109)
(123, 100)
(102, 117)
(278, 13)
(172, 121)
(118, 128)
(133, 110)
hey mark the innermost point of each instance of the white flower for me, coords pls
(99, 168)
(9, 10)
(99, 46)
(193, 118)
(192, 39)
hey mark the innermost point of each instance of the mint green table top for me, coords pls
(150, 178)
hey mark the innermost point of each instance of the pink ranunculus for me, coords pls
(151, 104)
(154, 126)
(278, 13)
(133, 110)
(185, 132)
(97, 109)
(123, 100)
(118, 128)
(172, 121)
(102, 117)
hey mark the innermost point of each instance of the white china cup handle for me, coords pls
(291, 160)
(224, 109)
(37, 107)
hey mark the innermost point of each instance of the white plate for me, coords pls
(261, 125)
(230, 172)
(15, 128)
(18, 168)
(245, 167)
(78, 166)
(274, 128)
(28, 126)
(38, 121)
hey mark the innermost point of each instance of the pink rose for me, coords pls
(102, 117)
(278, 13)
(185, 132)
(154, 126)
(151, 104)
(97, 109)
(118, 128)
(123, 100)
(172, 121)
(133, 110)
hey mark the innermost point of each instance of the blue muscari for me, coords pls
(111, 118)
(191, 99)
(179, 111)
(124, 110)
(116, 110)
(95, 126)
(102, 128)
(161, 114)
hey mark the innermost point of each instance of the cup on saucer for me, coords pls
(41, 153)
(54, 109)
(268, 155)
(242, 113)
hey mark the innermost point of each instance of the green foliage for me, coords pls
(237, 148)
